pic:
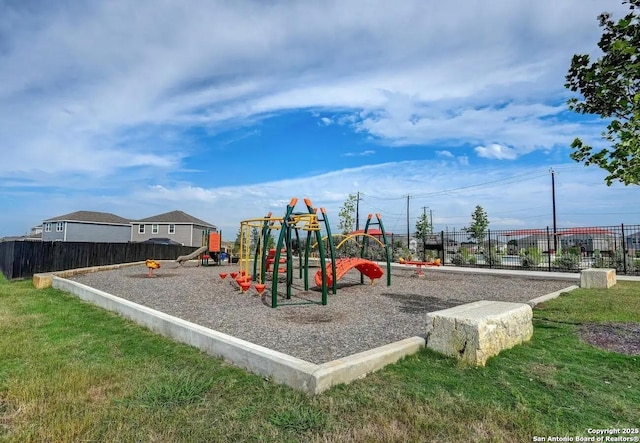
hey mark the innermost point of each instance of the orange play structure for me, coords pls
(271, 258)
(420, 264)
(344, 265)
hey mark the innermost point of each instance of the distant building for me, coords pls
(87, 226)
(632, 242)
(175, 225)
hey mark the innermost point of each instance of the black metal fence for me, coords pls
(22, 259)
(566, 249)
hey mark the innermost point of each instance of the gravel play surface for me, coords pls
(358, 318)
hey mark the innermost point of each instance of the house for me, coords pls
(632, 242)
(535, 241)
(175, 225)
(589, 240)
(87, 226)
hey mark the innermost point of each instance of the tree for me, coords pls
(479, 224)
(236, 243)
(255, 239)
(423, 228)
(346, 215)
(610, 88)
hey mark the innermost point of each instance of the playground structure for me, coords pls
(211, 241)
(420, 264)
(279, 259)
(151, 265)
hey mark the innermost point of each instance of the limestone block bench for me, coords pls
(597, 278)
(473, 332)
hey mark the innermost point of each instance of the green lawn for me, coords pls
(73, 372)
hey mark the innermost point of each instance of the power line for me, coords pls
(502, 181)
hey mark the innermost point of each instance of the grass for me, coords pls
(72, 372)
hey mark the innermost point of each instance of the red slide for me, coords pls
(344, 265)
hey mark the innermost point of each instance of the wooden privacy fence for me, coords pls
(22, 259)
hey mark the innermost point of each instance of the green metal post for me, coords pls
(322, 254)
(386, 249)
(281, 239)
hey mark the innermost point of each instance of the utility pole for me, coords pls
(553, 201)
(431, 221)
(408, 237)
(424, 233)
(358, 211)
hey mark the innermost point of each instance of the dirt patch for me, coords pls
(309, 317)
(615, 337)
(416, 303)
(163, 275)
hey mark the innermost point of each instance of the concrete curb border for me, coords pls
(44, 280)
(535, 301)
(279, 367)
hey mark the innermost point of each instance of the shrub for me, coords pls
(618, 260)
(567, 261)
(601, 262)
(527, 261)
(459, 260)
(493, 258)
(530, 258)
(574, 250)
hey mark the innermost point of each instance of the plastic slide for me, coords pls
(194, 254)
(344, 265)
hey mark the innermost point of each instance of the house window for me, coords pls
(47, 227)
(59, 226)
(141, 229)
(154, 229)
(172, 229)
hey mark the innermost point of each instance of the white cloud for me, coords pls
(416, 75)
(497, 151)
(359, 154)
(101, 100)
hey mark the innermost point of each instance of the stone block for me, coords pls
(597, 278)
(42, 280)
(473, 332)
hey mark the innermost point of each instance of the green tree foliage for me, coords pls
(346, 215)
(477, 230)
(271, 242)
(610, 88)
(423, 226)
(255, 238)
(236, 244)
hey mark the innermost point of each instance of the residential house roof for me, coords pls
(91, 217)
(177, 217)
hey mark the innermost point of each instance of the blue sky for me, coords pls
(227, 110)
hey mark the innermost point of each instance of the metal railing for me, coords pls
(566, 249)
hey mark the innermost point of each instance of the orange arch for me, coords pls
(344, 265)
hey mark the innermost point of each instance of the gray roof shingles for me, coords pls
(175, 217)
(106, 217)
(91, 217)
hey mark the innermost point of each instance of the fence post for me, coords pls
(549, 250)
(489, 251)
(624, 250)
(444, 248)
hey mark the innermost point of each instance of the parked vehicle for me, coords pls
(162, 241)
